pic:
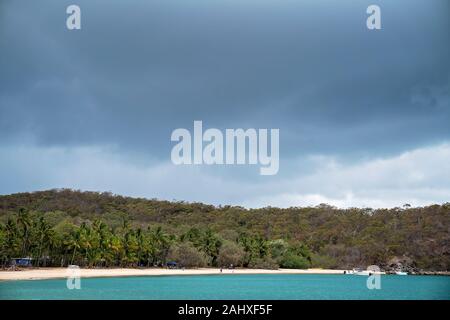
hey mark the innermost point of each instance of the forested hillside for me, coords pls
(61, 227)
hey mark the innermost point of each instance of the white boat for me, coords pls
(348, 271)
(360, 272)
(401, 273)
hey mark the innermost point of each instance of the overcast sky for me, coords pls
(364, 116)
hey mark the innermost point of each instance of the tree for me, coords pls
(45, 237)
(58, 227)
(210, 245)
(74, 243)
(230, 253)
(186, 255)
(11, 240)
(292, 261)
(160, 244)
(24, 221)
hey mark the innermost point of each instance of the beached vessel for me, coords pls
(361, 272)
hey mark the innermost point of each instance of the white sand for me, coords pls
(51, 273)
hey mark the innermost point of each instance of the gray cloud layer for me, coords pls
(138, 69)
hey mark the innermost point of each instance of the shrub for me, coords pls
(292, 261)
(230, 253)
(278, 248)
(186, 255)
(264, 263)
(323, 261)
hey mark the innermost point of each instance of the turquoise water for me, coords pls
(233, 287)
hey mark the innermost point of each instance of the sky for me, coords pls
(364, 115)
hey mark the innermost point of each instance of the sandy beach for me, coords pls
(54, 273)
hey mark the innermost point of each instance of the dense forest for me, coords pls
(90, 229)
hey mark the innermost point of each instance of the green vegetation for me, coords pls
(61, 227)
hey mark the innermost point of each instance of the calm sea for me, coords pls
(233, 287)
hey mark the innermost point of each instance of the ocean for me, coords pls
(286, 286)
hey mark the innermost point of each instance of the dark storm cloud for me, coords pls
(137, 70)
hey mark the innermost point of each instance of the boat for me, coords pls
(401, 273)
(348, 271)
(361, 272)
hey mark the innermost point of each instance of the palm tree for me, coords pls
(161, 243)
(141, 244)
(3, 253)
(90, 244)
(12, 238)
(210, 245)
(102, 233)
(23, 219)
(260, 246)
(74, 243)
(43, 233)
(115, 249)
(52, 243)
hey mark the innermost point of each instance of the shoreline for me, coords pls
(58, 273)
(62, 273)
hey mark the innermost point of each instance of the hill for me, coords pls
(60, 227)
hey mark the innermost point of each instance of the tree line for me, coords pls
(95, 244)
(62, 227)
